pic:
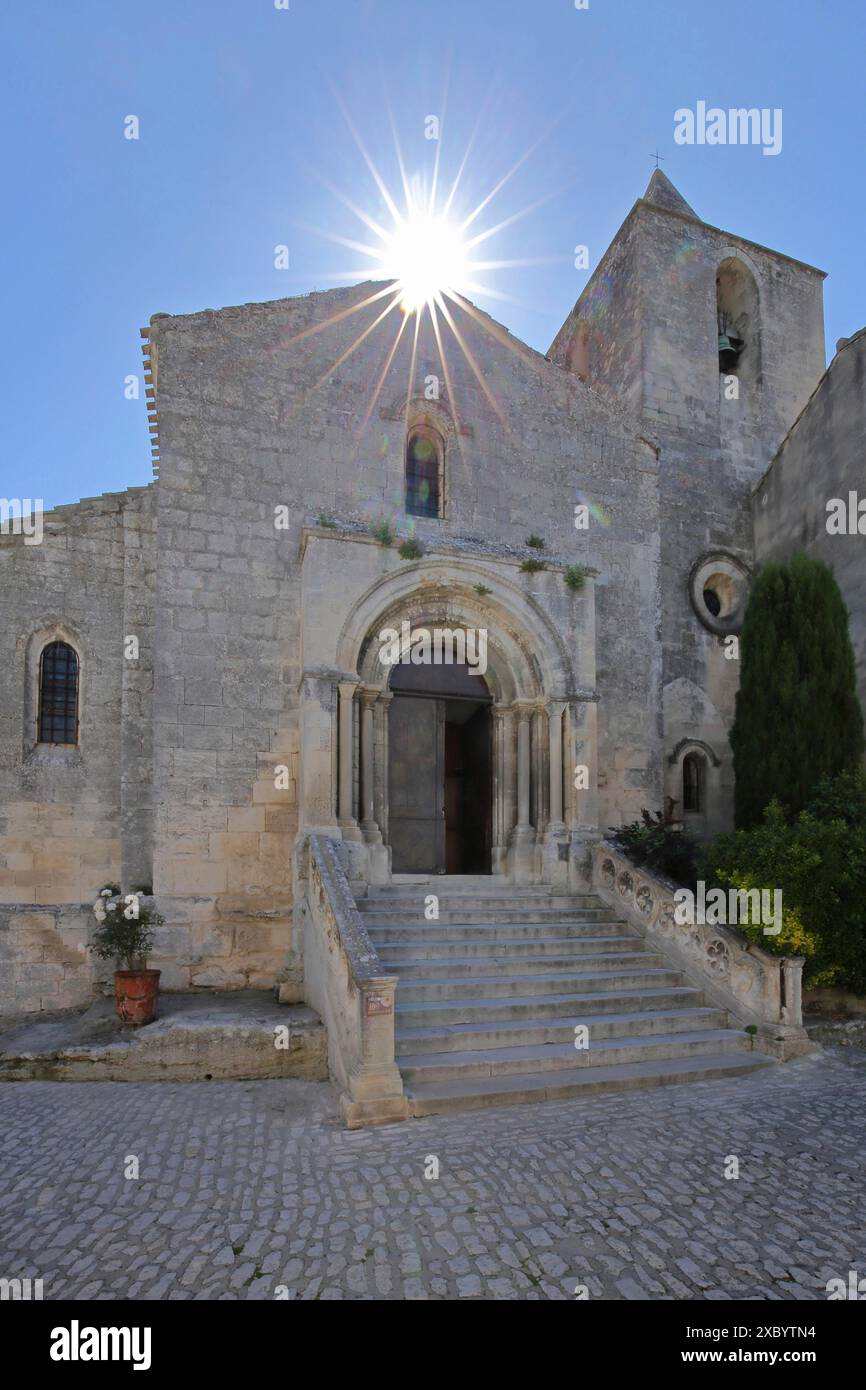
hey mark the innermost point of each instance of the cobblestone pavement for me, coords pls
(251, 1190)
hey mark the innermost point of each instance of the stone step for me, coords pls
(414, 989)
(488, 886)
(415, 901)
(531, 1031)
(548, 1057)
(432, 932)
(484, 916)
(494, 967)
(438, 1097)
(536, 1008)
(393, 953)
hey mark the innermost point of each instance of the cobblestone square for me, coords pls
(252, 1190)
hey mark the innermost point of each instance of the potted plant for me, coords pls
(125, 934)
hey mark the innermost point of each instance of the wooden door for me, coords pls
(416, 784)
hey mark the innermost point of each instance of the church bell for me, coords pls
(728, 353)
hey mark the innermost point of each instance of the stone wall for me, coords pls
(254, 415)
(822, 458)
(63, 808)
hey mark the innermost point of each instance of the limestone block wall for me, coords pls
(254, 415)
(822, 458)
(649, 316)
(63, 809)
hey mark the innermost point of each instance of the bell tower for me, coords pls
(715, 343)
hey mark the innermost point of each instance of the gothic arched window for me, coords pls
(58, 694)
(693, 782)
(424, 454)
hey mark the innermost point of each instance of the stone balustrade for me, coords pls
(345, 983)
(759, 990)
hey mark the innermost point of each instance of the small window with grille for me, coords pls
(423, 467)
(58, 694)
(693, 782)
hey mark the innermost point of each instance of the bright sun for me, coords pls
(427, 258)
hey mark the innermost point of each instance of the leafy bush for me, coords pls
(325, 520)
(125, 930)
(535, 542)
(410, 550)
(819, 863)
(382, 532)
(652, 842)
(482, 589)
(532, 566)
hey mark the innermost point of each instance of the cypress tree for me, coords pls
(798, 717)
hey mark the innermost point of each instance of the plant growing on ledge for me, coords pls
(532, 566)
(410, 550)
(125, 935)
(535, 542)
(575, 577)
(482, 589)
(324, 519)
(653, 842)
(381, 532)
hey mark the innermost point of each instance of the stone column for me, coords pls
(522, 867)
(346, 819)
(555, 711)
(380, 760)
(524, 766)
(371, 832)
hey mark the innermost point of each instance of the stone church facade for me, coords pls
(253, 709)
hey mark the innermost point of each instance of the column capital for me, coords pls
(368, 695)
(347, 688)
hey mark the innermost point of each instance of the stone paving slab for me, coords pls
(252, 1190)
(195, 1037)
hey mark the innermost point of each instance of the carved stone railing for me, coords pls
(344, 982)
(761, 991)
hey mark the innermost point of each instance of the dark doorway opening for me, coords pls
(440, 771)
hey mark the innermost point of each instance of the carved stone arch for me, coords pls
(415, 409)
(694, 745)
(527, 658)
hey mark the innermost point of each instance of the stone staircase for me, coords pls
(489, 996)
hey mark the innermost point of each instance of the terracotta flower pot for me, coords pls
(135, 994)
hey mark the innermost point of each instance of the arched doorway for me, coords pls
(440, 770)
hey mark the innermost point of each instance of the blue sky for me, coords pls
(240, 117)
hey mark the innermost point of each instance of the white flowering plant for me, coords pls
(125, 930)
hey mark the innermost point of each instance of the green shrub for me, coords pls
(535, 542)
(410, 550)
(653, 843)
(482, 589)
(381, 532)
(798, 717)
(325, 520)
(575, 577)
(532, 566)
(819, 863)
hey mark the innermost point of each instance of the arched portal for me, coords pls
(531, 708)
